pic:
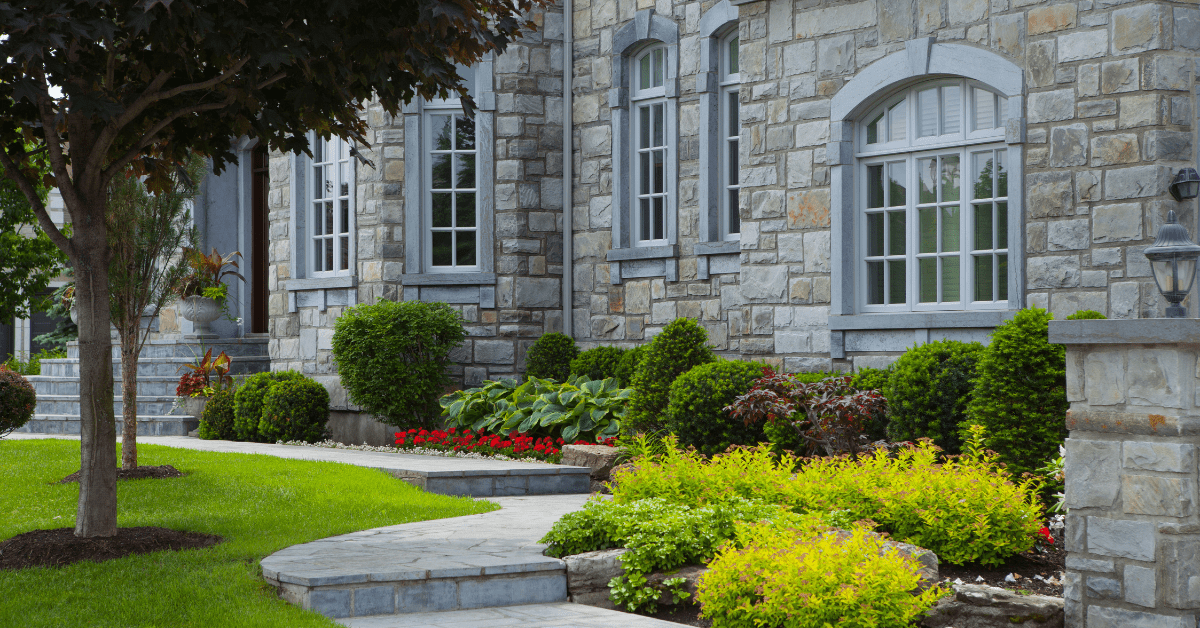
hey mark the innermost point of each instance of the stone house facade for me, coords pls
(821, 184)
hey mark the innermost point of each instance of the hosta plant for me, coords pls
(579, 408)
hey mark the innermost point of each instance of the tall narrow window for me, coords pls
(651, 147)
(935, 201)
(330, 216)
(730, 134)
(451, 183)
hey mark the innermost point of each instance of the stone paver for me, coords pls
(557, 615)
(436, 474)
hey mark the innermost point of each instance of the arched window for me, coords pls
(729, 136)
(652, 146)
(932, 194)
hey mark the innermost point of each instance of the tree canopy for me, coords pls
(29, 261)
(144, 82)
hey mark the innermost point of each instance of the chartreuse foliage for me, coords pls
(1086, 315)
(550, 357)
(579, 408)
(258, 504)
(928, 392)
(393, 358)
(965, 509)
(658, 533)
(1021, 392)
(678, 349)
(796, 573)
(599, 363)
(696, 412)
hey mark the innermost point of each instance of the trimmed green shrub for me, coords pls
(844, 578)
(1020, 392)
(680, 347)
(629, 364)
(17, 401)
(1086, 315)
(393, 358)
(248, 402)
(550, 357)
(696, 410)
(599, 363)
(812, 377)
(928, 392)
(870, 378)
(218, 419)
(295, 410)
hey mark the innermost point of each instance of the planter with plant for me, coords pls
(204, 296)
(206, 376)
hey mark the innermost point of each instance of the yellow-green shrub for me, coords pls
(779, 575)
(964, 509)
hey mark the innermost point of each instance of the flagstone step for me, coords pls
(147, 425)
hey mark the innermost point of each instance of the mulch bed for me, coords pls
(136, 473)
(1048, 565)
(685, 614)
(59, 547)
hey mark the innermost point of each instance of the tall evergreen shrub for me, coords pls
(928, 392)
(599, 363)
(550, 357)
(1020, 392)
(680, 347)
(696, 410)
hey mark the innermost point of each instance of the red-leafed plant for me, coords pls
(214, 371)
(190, 385)
(829, 414)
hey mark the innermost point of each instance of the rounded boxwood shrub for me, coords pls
(217, 421)
(248, 401)
(598, 363)
(628, 365)
(550, 357)
(928, 392)
(1086, 315)
(696, 411)
(1021, 392)
(17, 401)
(295, 410)
(393, 358)
(676, 350)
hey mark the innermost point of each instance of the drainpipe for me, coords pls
(568, 275)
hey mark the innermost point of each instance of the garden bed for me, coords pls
(137, 473)
(59, 547)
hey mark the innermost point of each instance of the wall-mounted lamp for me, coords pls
(1186, 185)
(1173, 262)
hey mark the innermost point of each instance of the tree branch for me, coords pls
(39, 208)
(124, 160)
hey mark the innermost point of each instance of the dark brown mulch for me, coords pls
(1050, 564)
(685, 614)
(59, 547)
(136, 473)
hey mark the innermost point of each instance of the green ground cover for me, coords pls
(259, 504)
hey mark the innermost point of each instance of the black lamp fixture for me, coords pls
(1173, 262)
(1186, 185)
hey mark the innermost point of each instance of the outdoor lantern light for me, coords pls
(1186, 185)
(1173, 261)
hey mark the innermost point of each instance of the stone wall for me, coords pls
(1133, 529)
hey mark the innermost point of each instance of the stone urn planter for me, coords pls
(194, 406)
(201, 311)
(75, 316)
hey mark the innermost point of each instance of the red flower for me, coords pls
(1045, 533)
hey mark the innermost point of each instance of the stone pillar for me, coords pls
(1133, 531)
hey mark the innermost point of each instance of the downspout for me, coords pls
(568, 272)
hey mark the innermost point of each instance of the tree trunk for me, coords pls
(96, 515)
(129, 362)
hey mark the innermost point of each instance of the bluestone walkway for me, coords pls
(437, 474)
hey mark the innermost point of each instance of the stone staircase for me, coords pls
(159, 368)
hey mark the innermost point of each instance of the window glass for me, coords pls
(453, 238)
(329, 206)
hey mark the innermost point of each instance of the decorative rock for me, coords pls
(598, 458)
(588, 575)
(978, 606)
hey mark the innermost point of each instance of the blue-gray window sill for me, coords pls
(320, 283)
(920, 320)
(717, 248)
(643, 252)
(448, 279)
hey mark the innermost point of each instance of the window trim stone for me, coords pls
(421, 283)
(716, 25)
(922, 58)
(626, 260)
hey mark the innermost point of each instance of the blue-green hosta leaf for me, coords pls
(568, 396)
(527, 424)
(586, 424)
(570, 433)
(592, 388)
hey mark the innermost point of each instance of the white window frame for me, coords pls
(729, 140)
(646, 99)
(443, 108)
(343, 234)
(962, 141)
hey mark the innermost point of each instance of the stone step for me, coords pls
(477, 561)
(164, 367)
(148, 386)
(190, 349)
(148, 425)
(69, 405)
(552, 615)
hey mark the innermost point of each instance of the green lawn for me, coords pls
(259, 504)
